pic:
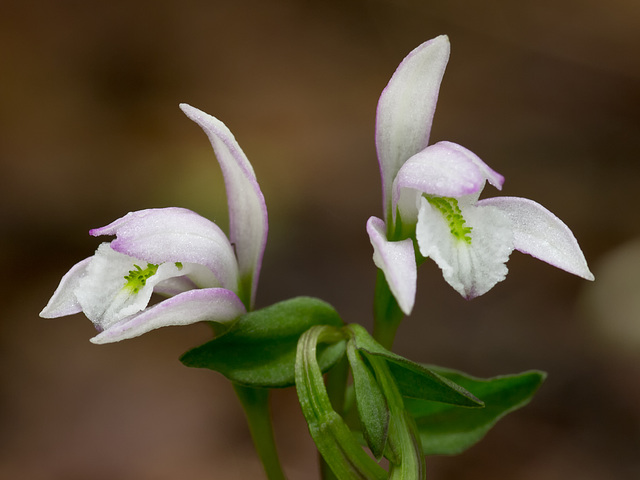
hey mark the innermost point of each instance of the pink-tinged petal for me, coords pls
(406, 108)
(472, 269)
(174, 286)
(248, 221)
(63, 301)
(397, 261)
(173, 234)
(541, 234)
(444, 169)
(493, 177)
(208, 304)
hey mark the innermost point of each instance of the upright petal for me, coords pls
(173, 234)
(208, 304)
(541, 234)
(398, 262)
(406, 108)
(247, 209)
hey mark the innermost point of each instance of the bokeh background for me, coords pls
(547, 92)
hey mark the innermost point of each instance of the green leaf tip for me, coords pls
(373, 410)
(450, 429)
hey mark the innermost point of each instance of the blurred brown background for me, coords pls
(546, 92)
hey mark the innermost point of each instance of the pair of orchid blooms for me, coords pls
(431, 202)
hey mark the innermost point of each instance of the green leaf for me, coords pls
(414, 380)
(404, 447)
(449, 429)
(259, 349)
(335, 442)
(372, 406)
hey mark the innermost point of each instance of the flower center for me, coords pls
(138, 278)
(450, 210)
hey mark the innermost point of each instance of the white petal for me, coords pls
(199, 275)
(541, 234)
(471, 269)
(100, 291)
(408, 205)
(134, 302)
(208, 304)
(188, 276)
(248, 223)
(63, 301)
(397, 261)
(406, 108)
(174, 285)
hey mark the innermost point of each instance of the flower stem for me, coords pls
(255, 402)
(387, 315)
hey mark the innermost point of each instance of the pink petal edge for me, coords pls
(207, 304)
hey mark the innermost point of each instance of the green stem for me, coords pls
(387, 315)
(255, 402)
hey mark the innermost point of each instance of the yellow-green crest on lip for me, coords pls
(450, 210)
(138, 278)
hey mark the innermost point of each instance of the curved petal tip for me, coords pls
(541, 234)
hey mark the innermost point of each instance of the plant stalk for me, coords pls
(255, 402)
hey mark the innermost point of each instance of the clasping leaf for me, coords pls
(259, 349)
(336, 443)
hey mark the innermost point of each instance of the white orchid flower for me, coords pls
(430, 194)
(176, 253)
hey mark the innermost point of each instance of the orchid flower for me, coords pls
(431, 196)
(176, 253)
